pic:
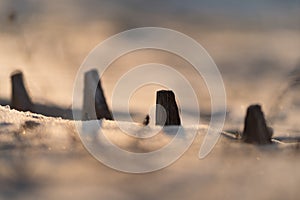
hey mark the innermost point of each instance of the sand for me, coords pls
(42, 157)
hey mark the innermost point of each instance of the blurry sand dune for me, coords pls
(255, 44)
(47, 160)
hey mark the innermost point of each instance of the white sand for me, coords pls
(50, 163)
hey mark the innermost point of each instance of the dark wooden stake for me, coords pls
(170, 116)
(256, 130)
(20, 99)
(94, 102)
(146, 120)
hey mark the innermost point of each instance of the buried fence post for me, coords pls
(94, 102)
(167, 113)
(20, 99)
(256, 130)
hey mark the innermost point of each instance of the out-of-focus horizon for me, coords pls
(255, 44)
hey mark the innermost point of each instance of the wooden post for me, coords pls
(146, 120)
(256, 130)
(20, 99)
(94, 102)
(166, 100)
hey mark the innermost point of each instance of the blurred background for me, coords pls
(255, 44)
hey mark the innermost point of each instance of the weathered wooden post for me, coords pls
(20, 99)
(94, 102)
(256, 130)
(146, 120)
(170, 114)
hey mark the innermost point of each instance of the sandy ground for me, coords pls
(256, 47)
(43, 158)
